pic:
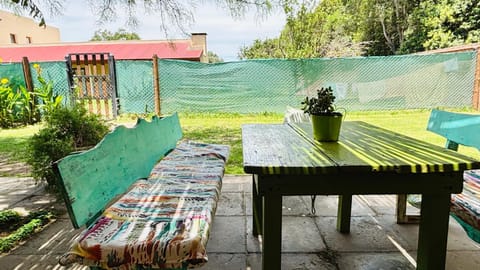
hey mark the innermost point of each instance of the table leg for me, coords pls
(272, 231)
(402, 217)
(257, 210)
(402, 209)
(344, 213)
(433, 232)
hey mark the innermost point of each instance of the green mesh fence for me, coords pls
(363, 83)
(14, 73)
(135, 86)
(56, 73)
(51, 71)
(245, 86)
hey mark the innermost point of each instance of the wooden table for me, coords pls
(284, 160)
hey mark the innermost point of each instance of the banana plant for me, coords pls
(49, 101)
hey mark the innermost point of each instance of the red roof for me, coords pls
(177, 49)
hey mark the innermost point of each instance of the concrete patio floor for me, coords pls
(309, 241)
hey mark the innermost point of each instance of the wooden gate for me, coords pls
(92, 82)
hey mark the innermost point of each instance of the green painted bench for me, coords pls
(146, 198)
(458, 129)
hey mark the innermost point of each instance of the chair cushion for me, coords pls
(161, 222)
(466, 205)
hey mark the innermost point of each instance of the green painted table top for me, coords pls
(290, 149)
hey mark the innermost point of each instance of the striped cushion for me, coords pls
(163, 221)
(466, 205)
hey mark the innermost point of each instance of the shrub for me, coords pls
(66, 130)
(16, 105)
(48, 101)
(15, 228)
(7, 218)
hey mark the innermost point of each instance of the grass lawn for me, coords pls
(13, 144)
(226, 129)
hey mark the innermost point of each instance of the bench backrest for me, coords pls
(90, 180)
(458, 128)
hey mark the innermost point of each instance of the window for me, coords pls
(29, 39)
(13, 38)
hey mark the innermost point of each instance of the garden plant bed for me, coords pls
(15, 228)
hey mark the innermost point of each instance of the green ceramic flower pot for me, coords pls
(326, 128)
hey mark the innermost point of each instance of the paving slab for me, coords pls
(217, 261)
(227, 235)
(327, 206)
(308, 241)
(23, 193)
(295, 261)
(374, 261)
(231, 204)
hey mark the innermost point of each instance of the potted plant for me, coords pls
(326, 121)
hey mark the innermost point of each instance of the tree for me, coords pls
(382, 24)
(213, 57)
(121, 34)
(34, 8)
(268, 48)
(322, 31)
(177, 13)
(371, 27)
(441, 24)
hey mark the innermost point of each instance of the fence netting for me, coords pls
(135, 86)
(14, 73)
(361, 83)
(270, 85)
(56, 73)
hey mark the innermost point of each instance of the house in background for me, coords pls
(91, 65)
(193, 49)
(17, 30)
(23, 37)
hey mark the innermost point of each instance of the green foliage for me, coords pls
(18, 106)
(268, 48)
(322, 104)
(221, 135)
(325, 30)
(214, 58)
(441, 24)
(66, 130)
(7, 243)
(48, 101)
(8, 218)
(121, 34)
(226, 128)
(336, 28)
(23, 226)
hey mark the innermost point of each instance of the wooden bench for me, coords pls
(147, 198)
(458, 129)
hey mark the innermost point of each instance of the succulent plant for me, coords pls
(322, 104)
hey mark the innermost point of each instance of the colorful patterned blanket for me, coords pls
(161, 222)
(466, 205)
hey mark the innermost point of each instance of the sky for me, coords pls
(225, 35)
